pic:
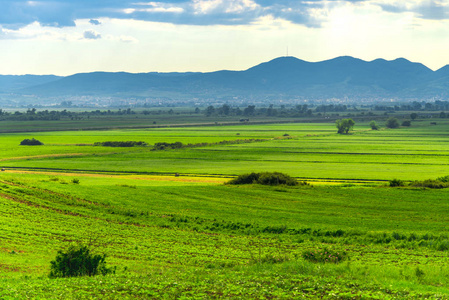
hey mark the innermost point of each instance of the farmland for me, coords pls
(172, 227)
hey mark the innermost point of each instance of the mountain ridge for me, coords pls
(287, 77)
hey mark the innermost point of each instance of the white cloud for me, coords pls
(225, 6)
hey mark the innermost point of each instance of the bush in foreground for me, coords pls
(78, 261)
(266, 178)
(31, 142)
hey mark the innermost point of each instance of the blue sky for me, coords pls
(66, 37)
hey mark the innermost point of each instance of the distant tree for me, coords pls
(392, 123)
(413, 116)
(197, 110)
(373, 125)
(250, 110)
(406, 123)
(344, 125)
(224, 110)
(443, 115)
(210, 110)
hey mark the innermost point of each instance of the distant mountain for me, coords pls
(13, 83)
(285, 77)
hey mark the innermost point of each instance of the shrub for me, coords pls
(406, 123)
(31, 142)
(325, 256)
(444, 178)
(396, 182)
(245, 179)
(163, 146)
(373, 125)
(266, 178)
(78, 261)
(276, 178)
(120, 144)
(430, 183)
(75, 181)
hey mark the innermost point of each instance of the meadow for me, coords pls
(173, 229)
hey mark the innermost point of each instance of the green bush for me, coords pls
(245, 179)
(325, 256)
(276, 178)
(120, 144)
(163, 146)
(444, 178)
(396, 182)
(406, 123)
(374, 125)
(31, 142)
(266, 178)
(430, 183)
(78, 261)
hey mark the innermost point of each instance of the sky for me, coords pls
(65, 37)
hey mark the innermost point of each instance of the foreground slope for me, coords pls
(171, 238)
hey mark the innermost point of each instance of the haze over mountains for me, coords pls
(285, 77)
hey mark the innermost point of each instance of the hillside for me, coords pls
(286, 77)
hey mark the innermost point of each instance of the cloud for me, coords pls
(63, 13)
(91, 35)
(94, 22)
(423, 9)
(16, 14)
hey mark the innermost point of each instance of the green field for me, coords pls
(192, 236)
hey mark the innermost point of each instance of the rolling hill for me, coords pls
(286, 77)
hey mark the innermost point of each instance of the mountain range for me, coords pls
(283, 77)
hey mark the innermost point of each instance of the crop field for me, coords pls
(310, 151)
(172, 228)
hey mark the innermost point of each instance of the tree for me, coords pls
(392, 123)
(373, 125)
(209, 110)
(413, 116)
(344, 125)
(250, 110)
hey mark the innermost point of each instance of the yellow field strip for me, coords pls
(132, 176)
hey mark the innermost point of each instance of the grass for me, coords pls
(192, 236)
(315, 151)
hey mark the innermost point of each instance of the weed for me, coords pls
(325, 256)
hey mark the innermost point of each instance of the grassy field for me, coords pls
(193, 236)
(310, 151)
